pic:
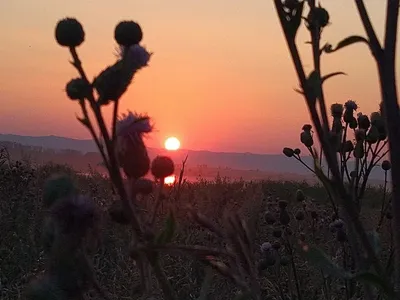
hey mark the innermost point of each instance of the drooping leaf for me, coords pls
(331, 75)
(346, 42)
(168, 231)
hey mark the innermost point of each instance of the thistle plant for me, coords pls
(332, 139)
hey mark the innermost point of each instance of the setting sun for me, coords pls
(170, 180)
(172, 143)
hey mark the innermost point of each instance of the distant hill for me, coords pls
(273, 163)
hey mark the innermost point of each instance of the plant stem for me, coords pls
(168, 291)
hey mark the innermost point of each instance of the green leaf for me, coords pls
(206, 285)
(375, 241)
(346, 42)
(331, 75)
(168, 231)
(319, 259)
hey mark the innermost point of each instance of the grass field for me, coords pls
(21, 214)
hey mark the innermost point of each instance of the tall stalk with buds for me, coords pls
(290, 13)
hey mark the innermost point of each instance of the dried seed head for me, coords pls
(337, 110)
(288, 152)
(386, 165)
(69, 33)
(162, 167)
(128, 33)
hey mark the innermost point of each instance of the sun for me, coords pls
(172, 143)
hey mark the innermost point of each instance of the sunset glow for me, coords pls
(170, 180)
(172, 143)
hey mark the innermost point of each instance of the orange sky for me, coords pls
(220, 78)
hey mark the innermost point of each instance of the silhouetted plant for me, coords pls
(370, 139)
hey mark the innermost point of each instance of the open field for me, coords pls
(21, 256)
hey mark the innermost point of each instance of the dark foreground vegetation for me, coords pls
(262, 204)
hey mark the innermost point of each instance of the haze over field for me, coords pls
(220, 78)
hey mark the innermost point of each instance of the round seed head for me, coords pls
(76, 89)
(69, 33)
(128, 33)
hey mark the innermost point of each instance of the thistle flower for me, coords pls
(131, 150)
(69, 33)
(351, 105)
(136, 56)
(128, 33)
(337, 110)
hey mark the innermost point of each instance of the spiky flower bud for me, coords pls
(77, 89)
(289, 152)
(128, 33)
(131, 150)
(300, 197)
(363, 122)
(306, 138)
(69, 32)
(351, 105)
(337, 110)
(162, 167)
(386, 165)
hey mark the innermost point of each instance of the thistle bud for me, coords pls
(297, 151)
(373, 135)
(288, 152)
(317, 18)
(162, 167)
(128, 33)
(351, 105)
(69, 32)
(360, 135)
(77, 89)
(359, 150)
(386, 165)
(337, 110)
(306, 138)
(306, 127)
(363, 122)
(353, 123)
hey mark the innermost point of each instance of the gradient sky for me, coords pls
(220, 79)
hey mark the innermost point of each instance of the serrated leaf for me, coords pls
(375, 241)
(353, 39)
(319, 259)
(168, 231)
(331, 75)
